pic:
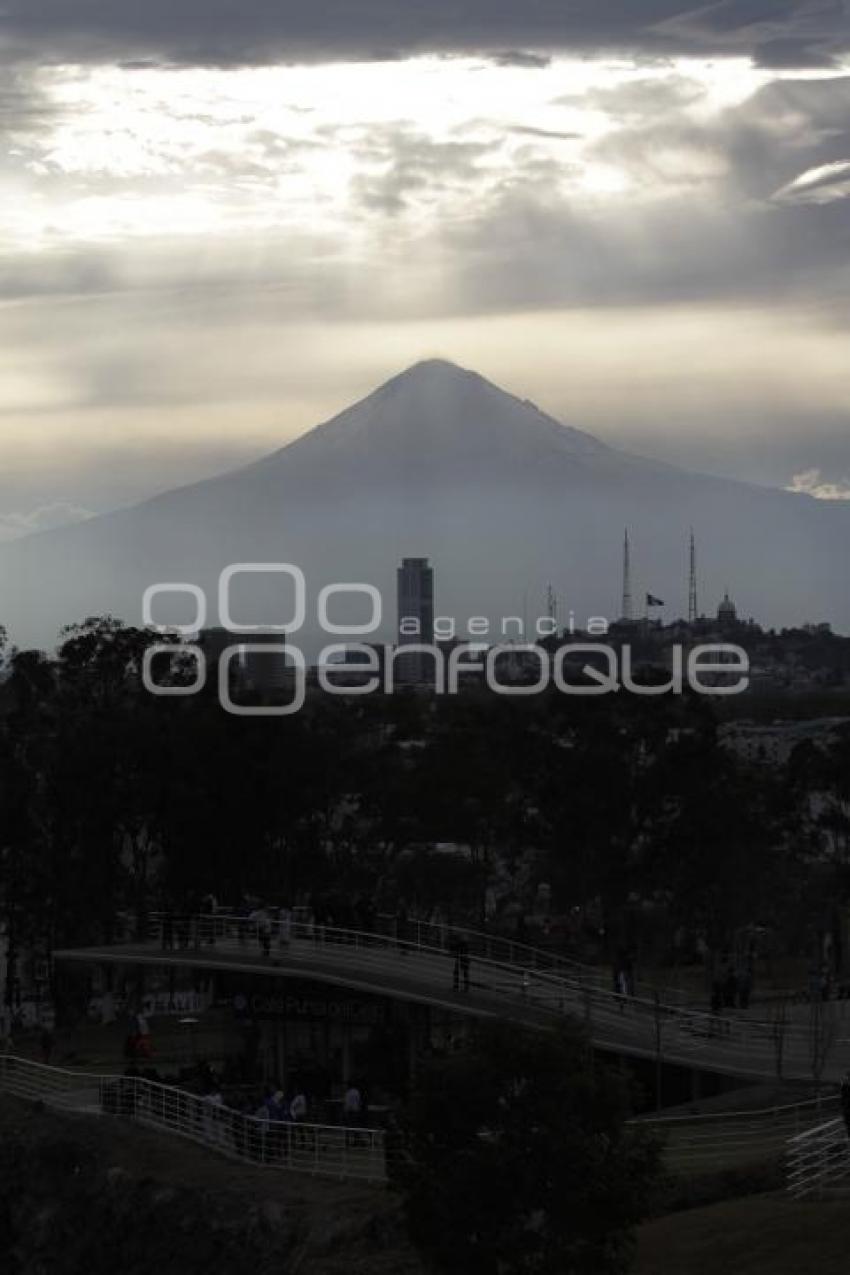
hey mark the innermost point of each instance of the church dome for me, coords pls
(727, 610)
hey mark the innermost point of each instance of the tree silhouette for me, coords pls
(515, 1158)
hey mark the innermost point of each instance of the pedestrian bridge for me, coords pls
(508, 981)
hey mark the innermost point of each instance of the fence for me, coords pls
(325, 1150)
(732, 1139)
(818, 1160)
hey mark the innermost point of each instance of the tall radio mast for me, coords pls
(627, 578)
(693, 609)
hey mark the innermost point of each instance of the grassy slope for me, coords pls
(86, 1196)
(762, 1235)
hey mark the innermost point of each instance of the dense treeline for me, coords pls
(642, 824)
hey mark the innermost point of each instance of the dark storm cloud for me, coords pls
(795, 54)
(758, 211)
(787, 127)
(258, 31)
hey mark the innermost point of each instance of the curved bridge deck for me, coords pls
(518, 988)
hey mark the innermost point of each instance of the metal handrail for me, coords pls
(434, 935)
(319, 1149)
(765, 1113)
(542, 989)
(817, 1159)
(709, 1140)
(489, 945)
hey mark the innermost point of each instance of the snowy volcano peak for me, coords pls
(436, 409)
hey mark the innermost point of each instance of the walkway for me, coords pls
(512, 983)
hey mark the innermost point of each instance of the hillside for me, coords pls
(155, 1204)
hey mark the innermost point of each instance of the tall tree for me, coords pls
(515, 1158)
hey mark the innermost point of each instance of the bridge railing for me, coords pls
(510, 951)
(325, 1150)
(648, 1024)
(752, 1043)
(69, 1090)
(491, 947)
(818, 1159)
(410, 934)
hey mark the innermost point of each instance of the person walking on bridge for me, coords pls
(460, 974)
(263, 923)
(845, 1101)
(352, 1112)
(298, 1114)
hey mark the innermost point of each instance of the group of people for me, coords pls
(269, 1124)
(824, 985)
(731, 986)
(280, 1123)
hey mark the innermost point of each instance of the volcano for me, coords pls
(439, 462)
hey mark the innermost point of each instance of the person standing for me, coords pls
(401, 927)
(263, 924)
(320, 918)
(463, 962)
(5, 1029)
(730, 984)
(144, 1049)
(213, 1103)
(454, 952)
(352, 1108)
(298, 1115)
(278, 1127)
(209, 908)
(285, 924)
(716, 1002)
(845, 1101)
(48, 1042)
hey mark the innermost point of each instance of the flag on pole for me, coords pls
(652, 601)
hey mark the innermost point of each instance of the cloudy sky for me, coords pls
(222, 222)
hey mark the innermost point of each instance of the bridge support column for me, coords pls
(346, 1053)
(280, 1052)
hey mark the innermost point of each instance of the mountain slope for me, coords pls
(439, 462)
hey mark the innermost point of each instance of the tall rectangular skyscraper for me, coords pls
(415, 591)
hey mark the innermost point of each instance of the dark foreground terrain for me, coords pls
(760, 1235)
(82, 1196)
